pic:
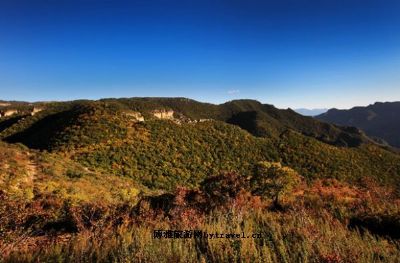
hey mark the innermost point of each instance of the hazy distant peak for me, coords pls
(310, 112)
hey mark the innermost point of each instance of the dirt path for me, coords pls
(31, 169)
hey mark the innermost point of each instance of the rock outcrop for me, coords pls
(10, 112)
(36, 110)
(137, 116)
(163, 114)
(6, 113)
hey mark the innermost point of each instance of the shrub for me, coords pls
(74, 174)
(273, 180)
(221, 189)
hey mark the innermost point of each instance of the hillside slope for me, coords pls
(90, 181)
(259, 119)
(379, 120)
(162, 154)
(28, 175)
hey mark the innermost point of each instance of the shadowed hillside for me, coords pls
(380, 120)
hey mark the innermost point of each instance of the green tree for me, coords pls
(273, 180)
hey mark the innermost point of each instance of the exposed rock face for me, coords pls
(36, 110)
(198, 121)
(164, 114)
(6, 113)
(204, 120)
(9, 112)
(137, 116)
(2, 104)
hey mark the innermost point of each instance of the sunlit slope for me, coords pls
(26, 175)
(163, 154)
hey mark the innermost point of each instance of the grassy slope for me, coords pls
(293, 237)
(27, 174)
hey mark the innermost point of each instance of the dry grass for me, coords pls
(294, 236)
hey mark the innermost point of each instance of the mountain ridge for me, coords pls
(379, 120)
(269, 121)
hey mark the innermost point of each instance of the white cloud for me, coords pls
(233, 91)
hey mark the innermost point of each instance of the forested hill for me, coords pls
(379, 120)
(259, 119)
(262, 120)
(165, 142)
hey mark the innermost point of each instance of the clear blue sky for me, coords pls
(299, 53)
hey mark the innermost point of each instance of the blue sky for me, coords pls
(290, 53)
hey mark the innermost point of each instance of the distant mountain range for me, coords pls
(380, 121)
(310, 112)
